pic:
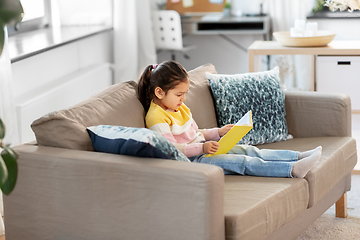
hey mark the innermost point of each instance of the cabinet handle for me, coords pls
(344, 63)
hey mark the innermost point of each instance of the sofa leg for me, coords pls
(341, 207)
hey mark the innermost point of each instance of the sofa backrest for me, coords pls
(118, 105)
(199, 98)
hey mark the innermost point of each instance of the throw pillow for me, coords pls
(235, 95)
(141, 142)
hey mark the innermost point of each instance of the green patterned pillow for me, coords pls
(260, 92)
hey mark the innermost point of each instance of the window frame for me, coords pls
(33, 24)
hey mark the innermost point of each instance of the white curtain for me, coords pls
(7, 106)
(295, 71)
(134, 46)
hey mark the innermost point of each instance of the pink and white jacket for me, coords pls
(180, 128)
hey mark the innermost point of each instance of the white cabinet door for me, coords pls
(339, 74)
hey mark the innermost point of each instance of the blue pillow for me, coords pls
(235, 95)
(140, 142)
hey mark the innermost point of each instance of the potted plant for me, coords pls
(8, 165)
(319, 5)
(342, 5)
(227, 9)
(11, 13)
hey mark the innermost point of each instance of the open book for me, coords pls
(234, 135)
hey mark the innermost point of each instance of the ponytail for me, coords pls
(144, 93)
(165, 75)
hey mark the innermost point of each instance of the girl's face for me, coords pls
(173, 99)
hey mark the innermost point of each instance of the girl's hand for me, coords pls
(225, 129)
(210, 147)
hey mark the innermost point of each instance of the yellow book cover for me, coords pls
(234, 135)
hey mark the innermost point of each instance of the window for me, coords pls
(35, 16)
(33, 9)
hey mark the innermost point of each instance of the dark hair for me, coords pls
(166, 75)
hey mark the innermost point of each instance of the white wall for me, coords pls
(55, 74)
(345, 29)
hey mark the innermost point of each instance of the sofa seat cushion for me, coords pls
(337, 160)
(257, 206)
(116, 105)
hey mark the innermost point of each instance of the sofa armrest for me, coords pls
(315, 114)
(71, 194)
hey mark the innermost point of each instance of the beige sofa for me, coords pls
(65, 190)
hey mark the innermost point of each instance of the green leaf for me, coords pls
(2, 38)
(10, 17)
(11, 12)
(3, 172)
(2, 128)
(9, 157)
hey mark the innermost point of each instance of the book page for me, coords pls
(245, 120)
(234, 135)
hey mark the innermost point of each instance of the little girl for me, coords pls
(162, 90)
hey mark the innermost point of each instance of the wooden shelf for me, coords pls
(334, 48)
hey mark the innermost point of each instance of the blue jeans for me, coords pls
(249, 160)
